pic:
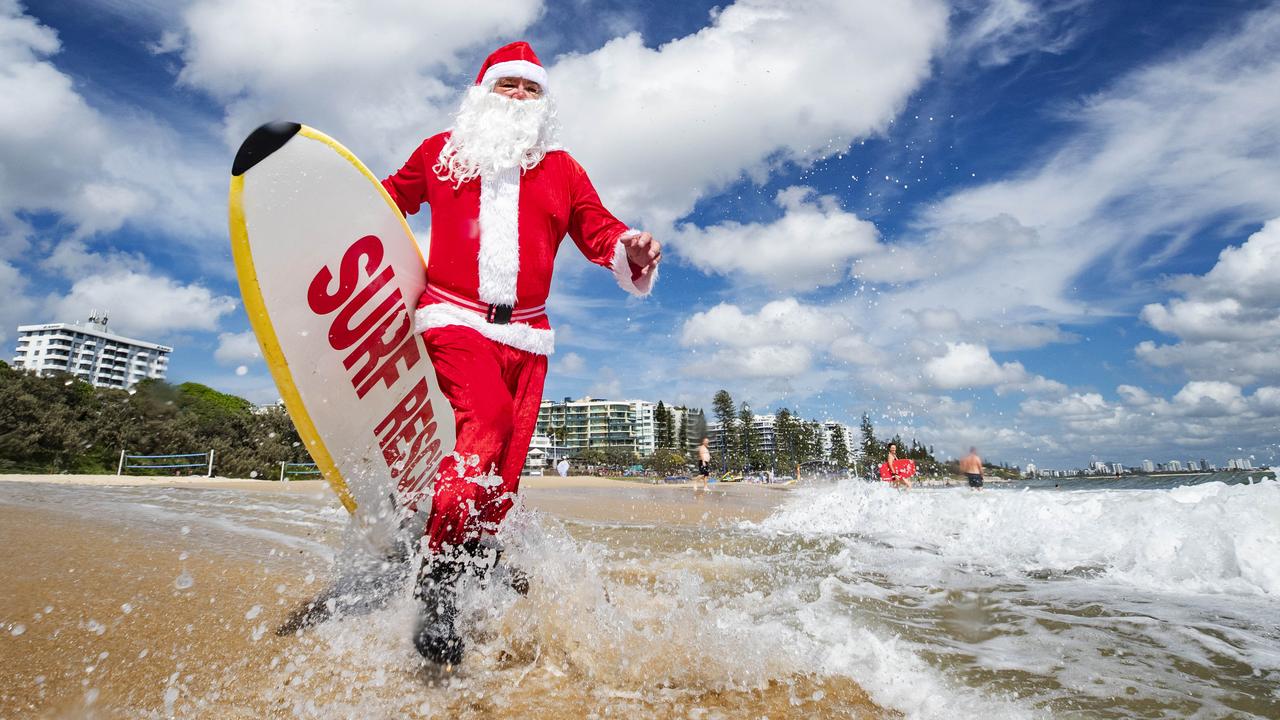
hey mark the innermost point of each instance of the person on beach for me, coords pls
(894, 476)
(503, 194)
(704, 463)
(562, 467)
(971, 466)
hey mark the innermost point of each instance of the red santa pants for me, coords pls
(495, 391)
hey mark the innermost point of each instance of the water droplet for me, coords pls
(184, 581)
(253, 613)
(18, 630)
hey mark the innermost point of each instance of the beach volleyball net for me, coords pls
(298, 471)
(137, 464)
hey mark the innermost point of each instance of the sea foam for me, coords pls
(1209, 538)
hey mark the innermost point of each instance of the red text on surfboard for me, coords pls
(363, 322)
(373, 327)
(407, 436)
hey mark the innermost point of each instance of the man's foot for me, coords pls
(436, 636)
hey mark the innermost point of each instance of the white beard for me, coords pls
(492, 133)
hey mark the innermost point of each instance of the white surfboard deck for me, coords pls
(330, 274)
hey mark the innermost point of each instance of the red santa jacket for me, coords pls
(494, 242)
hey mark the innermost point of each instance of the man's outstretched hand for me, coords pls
(643, 252)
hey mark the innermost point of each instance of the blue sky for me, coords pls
(1040, 228)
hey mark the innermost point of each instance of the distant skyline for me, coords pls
(1047, 229)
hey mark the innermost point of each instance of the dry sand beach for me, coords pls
(142, 597)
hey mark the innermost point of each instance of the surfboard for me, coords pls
(905, 466)
(330, 274)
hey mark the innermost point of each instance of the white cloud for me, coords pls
(1209, 399)
(384, 59)
(778, 322)
(965, 365)
(18, 308)
(570, 363)
(1004, 29)
(51, 141)
(1159, 156)
(1228, 321)
(659, 128)
(765, 361)
(812, 245)
(234, 348)
(144, 305)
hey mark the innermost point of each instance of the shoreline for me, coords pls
(136, 613)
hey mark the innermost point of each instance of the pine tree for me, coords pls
(839, 449)
(870, 447)
(660, 415)
(746, 434)
(722, 405)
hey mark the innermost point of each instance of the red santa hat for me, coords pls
(514, 60)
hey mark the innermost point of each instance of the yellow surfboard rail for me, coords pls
(260, 320)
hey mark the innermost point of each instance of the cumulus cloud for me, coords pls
(236, 348)
(144, 305)
(766, 361)
(659, 128)
(1152, 161)
(1228, 320)
(385, 59)
(51, 141)
(965, 365)
(1202, 416)
(778, 322)
(812, 245)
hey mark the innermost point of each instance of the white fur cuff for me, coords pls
(622, 269)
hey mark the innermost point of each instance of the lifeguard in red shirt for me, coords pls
(503, 195)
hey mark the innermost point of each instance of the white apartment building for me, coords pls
(852, 444)
(598, 423)
(90, 352)
(1174, 465)
(1148, 466)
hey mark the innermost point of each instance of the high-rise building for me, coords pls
(851, 442)
(1148, 466)
(763, 434)
(1174, 466)
(90, 352)
(596, 423)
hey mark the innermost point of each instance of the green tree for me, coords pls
(839, 455)
(722, 406)
(660, 417)
(747, 447)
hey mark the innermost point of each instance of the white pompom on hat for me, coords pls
(513, 60)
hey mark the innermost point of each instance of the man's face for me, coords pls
(518, 88)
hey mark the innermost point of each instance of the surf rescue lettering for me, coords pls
(372, 324)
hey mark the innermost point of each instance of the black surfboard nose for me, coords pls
(261, 143)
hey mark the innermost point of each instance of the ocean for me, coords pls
(1092, 599)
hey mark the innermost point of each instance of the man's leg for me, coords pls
(526, 373)
(470, 375)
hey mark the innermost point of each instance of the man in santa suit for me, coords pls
(503, 195)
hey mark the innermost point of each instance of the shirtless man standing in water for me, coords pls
(971, 466)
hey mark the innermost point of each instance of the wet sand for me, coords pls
(111, 617)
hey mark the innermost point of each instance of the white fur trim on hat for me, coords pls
(622, 269)
(516, 68)
(520, 336)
